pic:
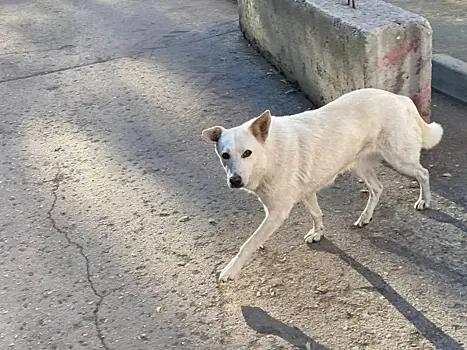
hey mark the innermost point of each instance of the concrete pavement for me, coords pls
(116, 218)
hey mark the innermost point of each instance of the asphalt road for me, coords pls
(115, 217)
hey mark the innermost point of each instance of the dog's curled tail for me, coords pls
(431, 134)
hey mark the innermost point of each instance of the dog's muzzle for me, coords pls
(235, 181)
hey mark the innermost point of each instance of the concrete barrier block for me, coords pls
(329, 48)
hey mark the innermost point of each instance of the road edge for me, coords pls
(449, 76)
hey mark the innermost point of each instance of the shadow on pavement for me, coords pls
(259, 320)
(444, 218)
(444, 269)
(428, 329)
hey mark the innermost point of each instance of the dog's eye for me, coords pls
(225, 155)
(246, 154)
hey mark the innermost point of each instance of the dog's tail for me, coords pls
(431, 134)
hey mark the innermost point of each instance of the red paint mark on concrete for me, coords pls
(422, 102)
(423, 97)
(393, 56)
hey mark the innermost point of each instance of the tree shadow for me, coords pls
(427, 328)
(263, 323)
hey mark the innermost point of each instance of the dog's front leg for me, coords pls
(316, 233)
(273, 220)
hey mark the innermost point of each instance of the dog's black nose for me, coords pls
(236, 181)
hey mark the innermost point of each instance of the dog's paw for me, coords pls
(421, 204)
(313, 236)
(362, 222)
(231, 271)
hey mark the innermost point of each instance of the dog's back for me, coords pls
(362, 126)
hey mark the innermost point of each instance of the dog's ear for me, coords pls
(260, 127)
(212, 134)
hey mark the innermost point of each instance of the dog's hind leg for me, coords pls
(423, 177)
(407, 162)
(316, 233)
(275, 217)
(415, 170)
(402, 153)
(366, 172)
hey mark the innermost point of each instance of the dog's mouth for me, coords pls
(240, 185)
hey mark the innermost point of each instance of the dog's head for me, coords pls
(241, 150)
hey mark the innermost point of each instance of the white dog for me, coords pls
(284, 160)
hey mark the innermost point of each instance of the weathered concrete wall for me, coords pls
(329, 48)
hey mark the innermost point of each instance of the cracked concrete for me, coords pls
(119, 247)
(64, 69)
(192, 38)
(56, 184)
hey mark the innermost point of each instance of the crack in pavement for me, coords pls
(130, 55)
(39, 74)
(56, 184)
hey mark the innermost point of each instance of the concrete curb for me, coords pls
(450, 76)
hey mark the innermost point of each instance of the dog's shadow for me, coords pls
(427, 328)
(259, 320)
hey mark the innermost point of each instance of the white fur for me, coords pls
(432, 135)
(304, 153)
